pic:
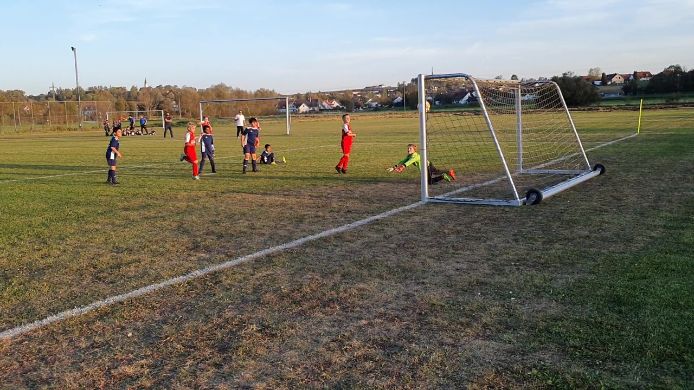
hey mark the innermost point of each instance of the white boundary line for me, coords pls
(10, 333)
(78, 311)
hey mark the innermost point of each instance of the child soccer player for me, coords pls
(206, 122)
(413, 158)
(206, 149)
(346, 144)
(113, 152)
(250, 140)
(168, 124)
(107, 128)
(131, 121)
(189, 153)
(268, 156)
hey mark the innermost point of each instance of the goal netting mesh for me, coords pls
(155, 118)
(504, 139)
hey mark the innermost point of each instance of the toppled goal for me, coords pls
(510, 142)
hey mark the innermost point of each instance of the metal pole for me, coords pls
(14, 118)
(286, 106)
(31, 108)
(404, 92)
(49, 114)
(77, 82)
(424, 159)
(519, 128)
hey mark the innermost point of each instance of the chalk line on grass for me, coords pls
(78, 311)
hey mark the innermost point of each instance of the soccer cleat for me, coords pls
(338, 169)
(451, 173)
(196, 177)
(284, 160)
(273, 163)
(344, 171)
(446, 177)
(183, 157)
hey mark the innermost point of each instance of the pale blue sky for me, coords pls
(301, 45)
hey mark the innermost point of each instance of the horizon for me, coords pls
(300, 47)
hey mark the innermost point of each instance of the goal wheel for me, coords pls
(533, 196)
(599, 167)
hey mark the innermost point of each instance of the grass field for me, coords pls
(592, 288)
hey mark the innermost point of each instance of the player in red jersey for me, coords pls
(206, 122)
(189, 153)
(347, 138)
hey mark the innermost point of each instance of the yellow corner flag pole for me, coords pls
(638, 129)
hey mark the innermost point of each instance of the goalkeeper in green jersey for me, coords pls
(434, 175)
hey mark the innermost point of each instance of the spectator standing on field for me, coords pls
(168, 124)
(143, 125)
(240, 123)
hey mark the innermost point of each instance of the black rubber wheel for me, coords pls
(533, 196)
(599, 167)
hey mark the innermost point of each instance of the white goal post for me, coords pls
(509, 142)
(261, 107)
(154, 117)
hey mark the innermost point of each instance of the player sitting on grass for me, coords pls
(250, 140)
(206, 149)
(268, 156)
(433, 175)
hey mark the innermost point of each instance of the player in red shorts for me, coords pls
(189, 153)
(347, 138)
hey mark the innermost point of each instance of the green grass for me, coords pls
(591, 288)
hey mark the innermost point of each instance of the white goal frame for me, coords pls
(138, 112)
(534, 195)
(278, 98)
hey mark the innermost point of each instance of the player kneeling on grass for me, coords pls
(112, 153)
(413, 158)
(250, 141)
(189, 153)
(206, 149)
(268, 156)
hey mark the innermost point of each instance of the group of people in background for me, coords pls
(117, 124)
(250, 141)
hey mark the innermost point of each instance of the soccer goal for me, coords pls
(272, 112)
(155, 118)
(509, 142)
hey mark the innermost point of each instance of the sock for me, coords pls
(110, 175)
(212, 165)
(245, 165)
(345, 162)
(195, 170)
(202, 164)
(114, 179)
(255, 168)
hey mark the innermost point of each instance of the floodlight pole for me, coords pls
(77, 82)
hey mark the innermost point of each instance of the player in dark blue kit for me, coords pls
(206, 149)
(112, 153)
(251, 140)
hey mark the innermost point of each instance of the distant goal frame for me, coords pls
(288, 120)
(138, 112)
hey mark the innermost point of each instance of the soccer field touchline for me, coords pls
(22, 329)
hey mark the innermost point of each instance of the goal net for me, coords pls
(155, 118)
(272, 113)
(509, 142)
